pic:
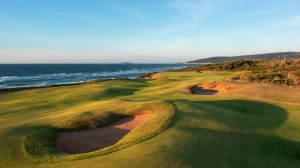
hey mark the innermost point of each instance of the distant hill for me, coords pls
(268, 56)
(126, 63)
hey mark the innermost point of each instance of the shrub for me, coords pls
(212, 84)
(236, 78)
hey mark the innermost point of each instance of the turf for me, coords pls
(256, 125)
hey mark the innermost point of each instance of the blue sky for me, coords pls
(156, 31)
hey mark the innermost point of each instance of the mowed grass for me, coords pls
(254, 125)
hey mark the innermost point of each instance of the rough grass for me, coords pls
(256, 125)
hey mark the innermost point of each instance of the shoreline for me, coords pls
(11, 87)
(37, 87)
(58, 85)
(76, 83)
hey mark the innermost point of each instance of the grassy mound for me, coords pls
(88, 120)
(40, 145)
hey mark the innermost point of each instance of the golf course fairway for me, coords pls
(249, 125)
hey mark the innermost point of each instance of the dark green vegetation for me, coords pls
(269, 56)
(276, 72)
(253, 125)
(147, 76)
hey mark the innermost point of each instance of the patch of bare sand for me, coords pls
(95, 139)
(212, 88)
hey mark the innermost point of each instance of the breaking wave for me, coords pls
(35, 77)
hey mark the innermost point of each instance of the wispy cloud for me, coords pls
(116, 5)
(168, 29)
(157, 46)
(96, 22)
(195, 9)
(290, 22)
(129, 11)
(83, 18)
(265, 12)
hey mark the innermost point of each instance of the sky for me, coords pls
(144, 31)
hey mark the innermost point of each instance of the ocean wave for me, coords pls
(74, 74)
(75, 77)
(9, 77)
(59, 74)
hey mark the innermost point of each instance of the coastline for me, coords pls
(20, 77)
(58, 85)
(37, 87)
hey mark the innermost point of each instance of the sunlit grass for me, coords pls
(254, 125)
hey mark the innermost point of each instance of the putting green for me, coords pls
(252, 125)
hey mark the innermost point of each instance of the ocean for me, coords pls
(35, 75)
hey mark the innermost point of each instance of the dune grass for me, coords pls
(254, 125)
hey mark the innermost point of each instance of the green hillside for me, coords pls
(269, 56)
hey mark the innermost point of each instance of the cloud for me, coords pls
(95, 22)
(168, 29)
(195, 9)
(288, 22)
(264, 12)
(129, 11)
(122, 8)
(150, 47)
(291, 22)
(83, 18)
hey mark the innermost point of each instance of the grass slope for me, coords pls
(256, 125)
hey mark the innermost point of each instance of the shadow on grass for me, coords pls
(205, 142)
(200, 91)
(212, 148)
(237, 114)
(115, 92)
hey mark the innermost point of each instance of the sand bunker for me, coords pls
(199, 89)
(95, 139)
(209, 89)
